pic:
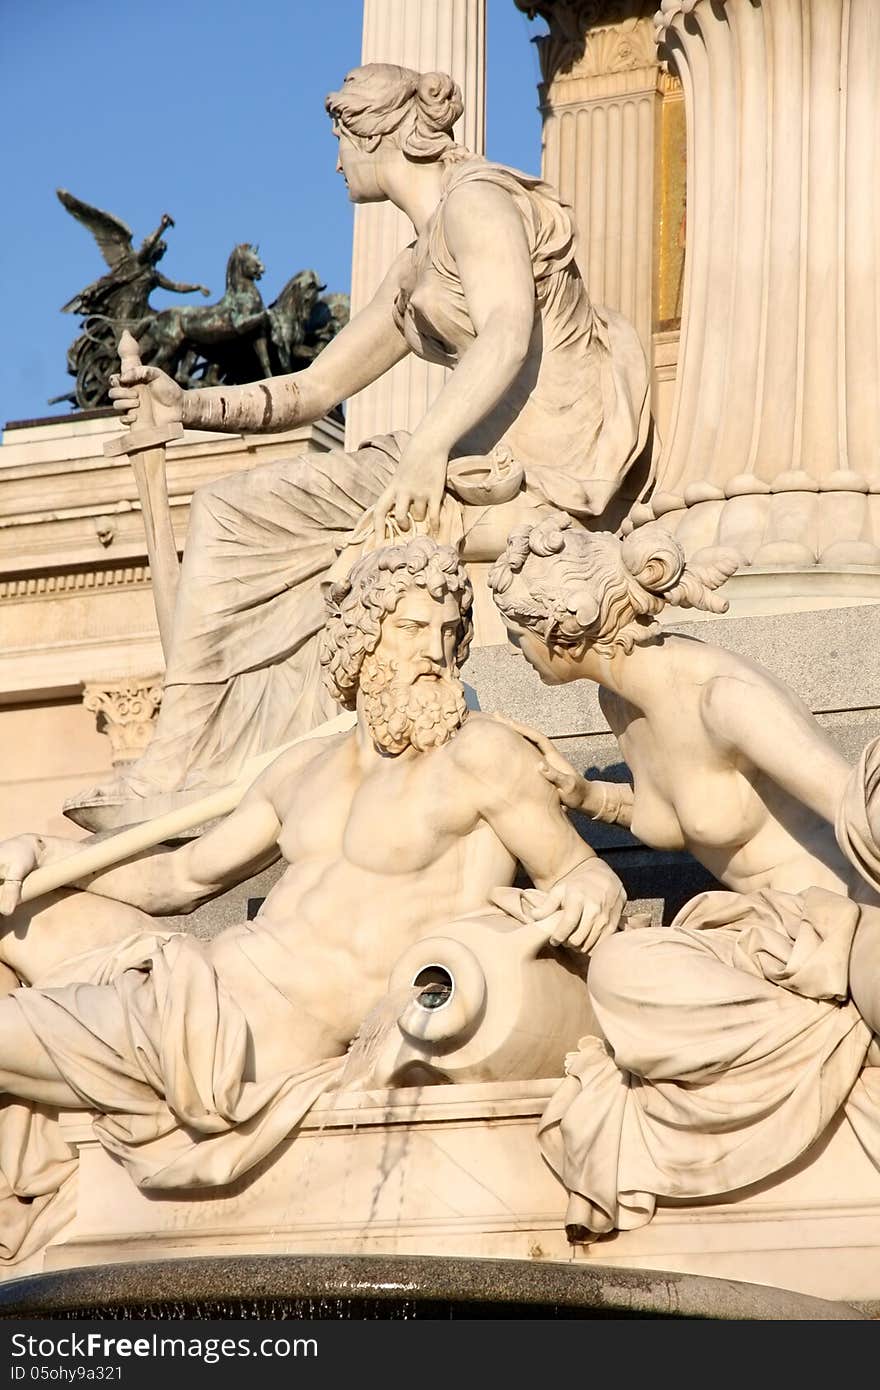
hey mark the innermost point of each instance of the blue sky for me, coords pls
(212, 113)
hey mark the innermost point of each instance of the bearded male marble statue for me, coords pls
(199, 1058)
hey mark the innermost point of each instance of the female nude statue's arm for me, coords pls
(760, 726)
(367, 347)
(609, 802)
(485, 235)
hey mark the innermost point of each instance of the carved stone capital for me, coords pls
(593, 37)
(670, 10)
(126, 712)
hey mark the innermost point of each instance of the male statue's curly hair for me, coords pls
(375, 585)
(573, 587)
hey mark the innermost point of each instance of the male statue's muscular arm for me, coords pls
(611, 802)
(582, 895)
(166, 881)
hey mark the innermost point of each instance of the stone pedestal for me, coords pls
(428, 37)
(456, 1171)
(774, 446)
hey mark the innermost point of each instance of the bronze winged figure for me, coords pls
(235, 340)
(118, 300)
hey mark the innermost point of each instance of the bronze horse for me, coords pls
(174, 338)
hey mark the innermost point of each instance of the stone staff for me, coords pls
(144, 446)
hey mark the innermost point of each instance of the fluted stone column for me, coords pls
(429, 36)
(614, 146)
(774, 447)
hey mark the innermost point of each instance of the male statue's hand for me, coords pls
(414, 493)
(18, 858)
(166, 395)
(582, 908)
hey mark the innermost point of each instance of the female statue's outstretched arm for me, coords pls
(364, 350)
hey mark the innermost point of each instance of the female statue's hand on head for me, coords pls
(415, 492)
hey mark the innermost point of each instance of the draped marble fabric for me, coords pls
(576, 416)
(730, 1043)
(148, 1036)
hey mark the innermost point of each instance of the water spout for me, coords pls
(367, 1042)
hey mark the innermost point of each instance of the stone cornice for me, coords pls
(73, 582)
(70, 519)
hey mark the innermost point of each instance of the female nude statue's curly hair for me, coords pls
(578, 588)
(358, 604)
(417, 110)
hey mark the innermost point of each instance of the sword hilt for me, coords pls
(146, 434)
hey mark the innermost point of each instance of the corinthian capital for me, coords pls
(126, 711)
(591, 37)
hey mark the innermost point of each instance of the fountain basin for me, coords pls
(383, 1287)
(455, 1171)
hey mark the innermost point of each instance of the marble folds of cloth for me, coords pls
(146, 1034)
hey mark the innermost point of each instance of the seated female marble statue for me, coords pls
(548, 388)
(737, 1034)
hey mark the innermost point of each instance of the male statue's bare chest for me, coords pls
(395, 819)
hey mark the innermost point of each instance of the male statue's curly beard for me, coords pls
(418, 707)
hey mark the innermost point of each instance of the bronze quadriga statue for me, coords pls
(238, 339)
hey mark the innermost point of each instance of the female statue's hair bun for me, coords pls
(568, 584)
(438, 105)
(418, 110)
(655, 561)
(440, 100)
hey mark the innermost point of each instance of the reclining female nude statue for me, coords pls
(200, 1058)
(735, 1036)
(548, 389)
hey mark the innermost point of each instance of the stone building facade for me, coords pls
(80, 659)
